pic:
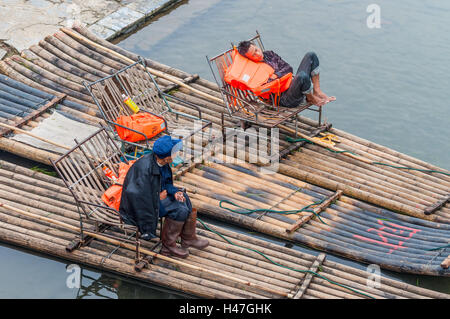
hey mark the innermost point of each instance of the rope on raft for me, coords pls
(287, 267)
(294, 140)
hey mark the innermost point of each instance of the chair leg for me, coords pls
(320, 115)
(138, 249)
(147, 260)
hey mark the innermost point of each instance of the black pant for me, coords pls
(301, 83)
(177, 210)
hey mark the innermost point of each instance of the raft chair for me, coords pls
(252, 102)
(90, 170)
(138, 112)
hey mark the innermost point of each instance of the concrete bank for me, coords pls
(24, 23)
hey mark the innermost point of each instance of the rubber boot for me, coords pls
(188, 236)
(170, 232)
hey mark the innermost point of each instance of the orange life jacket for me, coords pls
(144, 122)
(113, 194)
(246, 74)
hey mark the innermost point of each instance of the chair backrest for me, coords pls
(235, 99)
(133, 81)
(81, 169)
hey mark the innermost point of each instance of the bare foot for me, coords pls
(315, 99)
(323, 96)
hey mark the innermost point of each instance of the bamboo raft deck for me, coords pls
(348, 227)
(60, 62)
(46, 196)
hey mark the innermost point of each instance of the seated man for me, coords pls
(148, 190)
(304, 83)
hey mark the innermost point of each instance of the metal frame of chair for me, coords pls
(245, 105)
(136, 82)
(81, 169)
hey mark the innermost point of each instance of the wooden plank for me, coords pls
(438, 205)
(316, 210)
(34, 114)
(188, 80)
(308, 278)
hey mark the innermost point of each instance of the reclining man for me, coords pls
(305, 82)
(148, 191)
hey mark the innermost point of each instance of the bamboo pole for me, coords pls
(302, 199)
(377, 182)
(79, 47)
(50, 45)
(422, 187)
(34, 176)
(319, 225)
(371, 171)
(26, 151)
(123, 266)
(152, 71)
(359, 183)
(30, 56)
(433, 179)
(62, 64)
(39, 185)
(48, 75)
(34, 136)
(56, 86)
(11, 72)
(352, 191)
(244, 221)
(145, 251)
(253, 269)
(316, 210)
(318, 142)
(395, 154)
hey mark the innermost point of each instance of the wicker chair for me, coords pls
(136, 82)
(81, 169)
(244, 104)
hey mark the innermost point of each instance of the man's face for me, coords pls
(254, 53)
(165, 160)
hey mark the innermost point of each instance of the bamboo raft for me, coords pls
(348, 227)
(61, 62)
(45, 196)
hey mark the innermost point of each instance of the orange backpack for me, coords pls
(246, 74)
(146, 123)
(113, 194)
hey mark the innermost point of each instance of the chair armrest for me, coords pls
(127, 128)
(186, 103)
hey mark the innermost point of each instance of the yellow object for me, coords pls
(330, 137)
(327, 138)
(128, 101)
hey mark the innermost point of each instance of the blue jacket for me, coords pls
(166, 184)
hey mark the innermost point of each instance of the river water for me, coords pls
(390, 83)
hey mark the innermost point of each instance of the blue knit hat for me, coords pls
(165, 145)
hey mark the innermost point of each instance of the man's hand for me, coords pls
(163, 195)
(179, 196)
(273, 76)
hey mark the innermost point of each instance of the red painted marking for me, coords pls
(383, 235)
